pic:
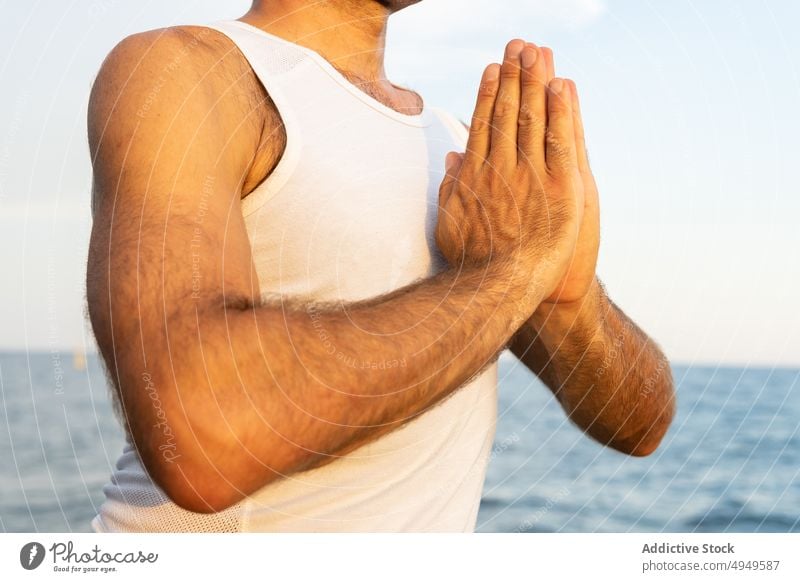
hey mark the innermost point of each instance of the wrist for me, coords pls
(519, 288)
(584, 317)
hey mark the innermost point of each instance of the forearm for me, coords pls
(262, 392)
(609, 376)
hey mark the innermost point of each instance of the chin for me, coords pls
(395, 5)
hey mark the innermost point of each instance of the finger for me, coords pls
(506, 107)
(453, 163)
(577, 122)
(533, 111)
(560, 139)
(479, 140)
(550, 65)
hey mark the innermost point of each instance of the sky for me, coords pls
(692, 126)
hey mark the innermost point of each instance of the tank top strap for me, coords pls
(271, 57)
(274, 60)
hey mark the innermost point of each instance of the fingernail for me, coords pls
(492, 73)
(556, 85)
(449, 160)
(513, 49)
(528, 57)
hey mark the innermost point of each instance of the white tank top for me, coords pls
(348, 213)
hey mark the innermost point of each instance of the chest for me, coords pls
(352, 212)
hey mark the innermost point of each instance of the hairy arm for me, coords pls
(223, 392)
(609, 376)
(611, 379)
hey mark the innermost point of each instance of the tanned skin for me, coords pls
(242, 389)
(610, 377)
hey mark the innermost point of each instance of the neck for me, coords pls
(350, 34)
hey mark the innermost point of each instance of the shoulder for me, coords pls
(182, 76)
(180, 53)
(174, 51)
(158, 72)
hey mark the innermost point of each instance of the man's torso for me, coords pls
(340, 205)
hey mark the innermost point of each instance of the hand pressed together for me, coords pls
(522, 193)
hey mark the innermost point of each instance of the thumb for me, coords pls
(452, 164)
(451, 160)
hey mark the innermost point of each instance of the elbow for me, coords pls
(205, 478)
(653, 427)
(206, 496)
(203, 488)
(204, 454)
(198, 498)
(190, 480)
(640, 445)
(644, 448)
(210, 476)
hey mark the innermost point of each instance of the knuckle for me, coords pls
(558, 104)
(487, 89)
(509, 71)
(526, 114)
(479, 124)
(557, 150)
(529, 119)
(529, 79)
(473, 160)
(504, 105)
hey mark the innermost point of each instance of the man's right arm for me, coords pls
(223, 392)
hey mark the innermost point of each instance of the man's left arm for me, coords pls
(611, 379)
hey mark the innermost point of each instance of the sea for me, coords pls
(730, 462)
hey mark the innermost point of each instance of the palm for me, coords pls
(580, 275)
(581, 272)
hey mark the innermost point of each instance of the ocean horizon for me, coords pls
(730, 462)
